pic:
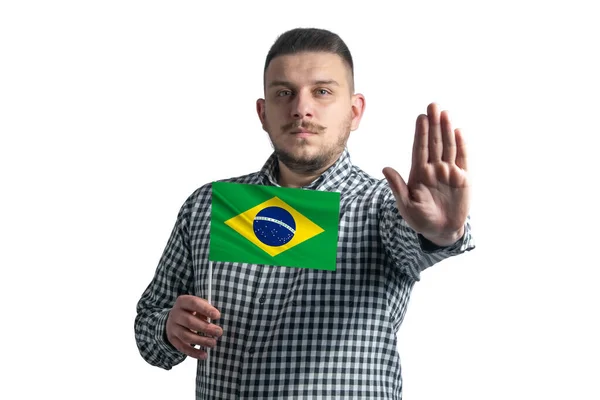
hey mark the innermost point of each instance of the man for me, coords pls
(282, 333)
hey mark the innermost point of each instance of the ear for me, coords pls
(260, 110)
(358, 108)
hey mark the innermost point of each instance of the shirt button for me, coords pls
(262, 299)
(251, 350)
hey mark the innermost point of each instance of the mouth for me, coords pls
(302, 133)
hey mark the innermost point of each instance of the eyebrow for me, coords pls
(317, 82)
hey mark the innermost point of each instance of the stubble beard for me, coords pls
(309, 164)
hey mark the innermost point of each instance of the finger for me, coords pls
(192, 339)
(199, 305)
(189, 350)
(436, 145)
(398, 187)
(449, 142)
(461, 149)
(420, 146)
(198, 324)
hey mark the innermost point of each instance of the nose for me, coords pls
(302, 106)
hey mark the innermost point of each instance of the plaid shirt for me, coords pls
(292, 333)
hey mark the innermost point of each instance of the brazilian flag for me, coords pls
(273, 225)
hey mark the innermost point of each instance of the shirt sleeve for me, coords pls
(172, 278)
(410, 251)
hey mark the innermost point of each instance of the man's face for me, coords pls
(309, 109)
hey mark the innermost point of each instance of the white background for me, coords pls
(113, 112)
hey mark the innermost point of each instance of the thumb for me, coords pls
(399, 188)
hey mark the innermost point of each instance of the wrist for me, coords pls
(446, 239)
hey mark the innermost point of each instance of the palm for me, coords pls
(435, 201)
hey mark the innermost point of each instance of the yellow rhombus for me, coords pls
(243, 224)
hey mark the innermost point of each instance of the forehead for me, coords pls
(307, 67)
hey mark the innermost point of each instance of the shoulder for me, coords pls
(364, 185)
(200, 198)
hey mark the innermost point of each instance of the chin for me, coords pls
(300, 152)
(301, 160)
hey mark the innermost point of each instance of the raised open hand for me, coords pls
(435, 202)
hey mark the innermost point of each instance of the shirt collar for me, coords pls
(327, 181)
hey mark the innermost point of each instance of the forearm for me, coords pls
(151, 339)
(172, 278)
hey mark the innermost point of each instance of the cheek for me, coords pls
(336, 113)
(270, 113)
(276, 117)
(270, 122)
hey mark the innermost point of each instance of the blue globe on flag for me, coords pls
(274, 226)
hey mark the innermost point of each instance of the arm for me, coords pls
(431, 212)
(411, 251)
(173, 277)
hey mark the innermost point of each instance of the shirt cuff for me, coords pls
(160, 335)
(427, 246)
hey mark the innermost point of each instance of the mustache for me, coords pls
(310, 126)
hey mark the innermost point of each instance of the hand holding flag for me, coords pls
(188, 325)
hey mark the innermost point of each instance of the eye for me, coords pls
(322, 92)
(282, 93)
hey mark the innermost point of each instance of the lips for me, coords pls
(303, 133)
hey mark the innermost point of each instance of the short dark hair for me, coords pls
(307, 40)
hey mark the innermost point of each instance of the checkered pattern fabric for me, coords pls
(298, 333)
